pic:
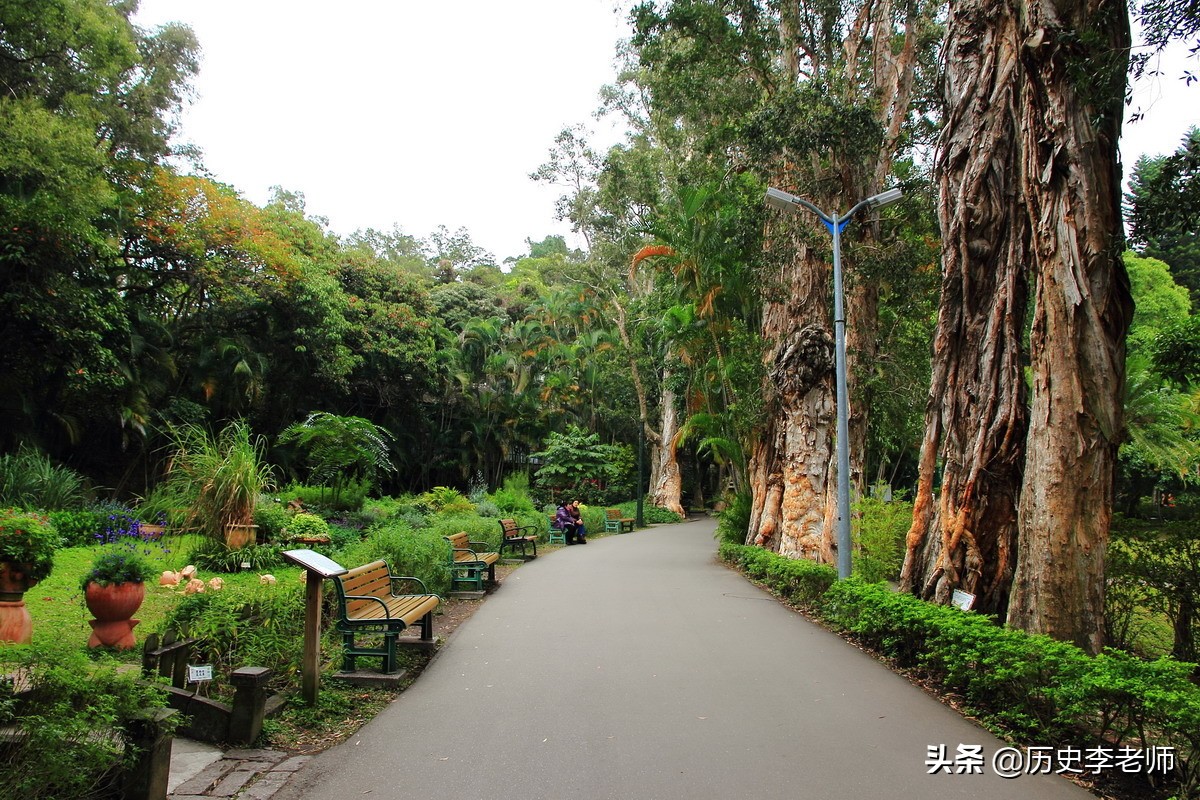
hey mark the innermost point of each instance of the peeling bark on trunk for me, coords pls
(792, 470)
(666, 486)
(975, 420)
(790, 465)
(1073, 56)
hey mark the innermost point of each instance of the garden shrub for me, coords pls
(444, 500)
(215, 556)
(512, 503)
(377, 509)
(341, 536)
(69, 717)
(271, 518)
(307, 526)
(799, 581)
(1041, 691)
(256, 626)
(879, 531)
(79, 528)
(350, 498)
(734, 521)
(29, 480)
(486, 508)
(422, 554)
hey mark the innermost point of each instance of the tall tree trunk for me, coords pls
(792, 472)
(975, 420)
(1074, 57)
(666, 488)
(790, 465)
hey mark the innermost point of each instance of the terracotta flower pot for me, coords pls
(113, 607)
(16, 626)
(239, 536)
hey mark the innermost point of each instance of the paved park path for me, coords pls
(637, 667)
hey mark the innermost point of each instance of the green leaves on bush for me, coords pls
(800, 582)
(79, 528)
(422, 554)
(68, 717)
(255, 626)
(29, 480)
(879, 531)
(1040, 690)
(214, 556)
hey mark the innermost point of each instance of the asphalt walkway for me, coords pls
(637, 667)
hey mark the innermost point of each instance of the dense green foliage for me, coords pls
(120, 565)
(1037, 690)
(29, 479)
(27, 538)
(72, 707)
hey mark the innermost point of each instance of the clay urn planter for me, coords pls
(27, 544)
(113, 591)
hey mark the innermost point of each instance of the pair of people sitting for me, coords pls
(569, 520)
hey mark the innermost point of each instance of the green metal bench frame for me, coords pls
(468, 562)
(615, 523)
(369, 603)
(554, 534)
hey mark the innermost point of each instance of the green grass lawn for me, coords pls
(56, 604)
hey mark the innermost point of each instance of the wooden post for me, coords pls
(318, 568)
(310, 666)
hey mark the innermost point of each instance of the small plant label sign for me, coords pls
(964, 600)
(199, 673)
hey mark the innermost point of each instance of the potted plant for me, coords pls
(222, 478)
(307, 528)
(27, 545)
(113, 590)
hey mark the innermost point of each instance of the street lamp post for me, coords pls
(790, 202)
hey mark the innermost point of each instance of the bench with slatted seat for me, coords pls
(515, 536)
(370, 604)
(615, 523)
(469, 560)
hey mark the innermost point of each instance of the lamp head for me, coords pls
(781, 199)
(885, 198)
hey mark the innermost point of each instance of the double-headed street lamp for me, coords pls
(790, 202)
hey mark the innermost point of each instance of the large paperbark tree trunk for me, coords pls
(1074, 58)
(792, 470)
(790, 465)
(666, 485)
(964, 536)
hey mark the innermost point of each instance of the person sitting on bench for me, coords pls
(564, 521)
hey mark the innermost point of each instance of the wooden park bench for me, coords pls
(370, 604)
(513, 536)
(468, 560)
(615, 523)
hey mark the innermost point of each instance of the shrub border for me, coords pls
(1032, 689)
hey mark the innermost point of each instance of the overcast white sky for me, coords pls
(423, 114)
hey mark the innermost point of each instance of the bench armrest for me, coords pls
(350, 597)
(418, 581)
(520, 531)
(483, 546)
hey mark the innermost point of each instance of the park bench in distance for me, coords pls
(513, 536)
(615, 523)
(468, 560)
(370, 604)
